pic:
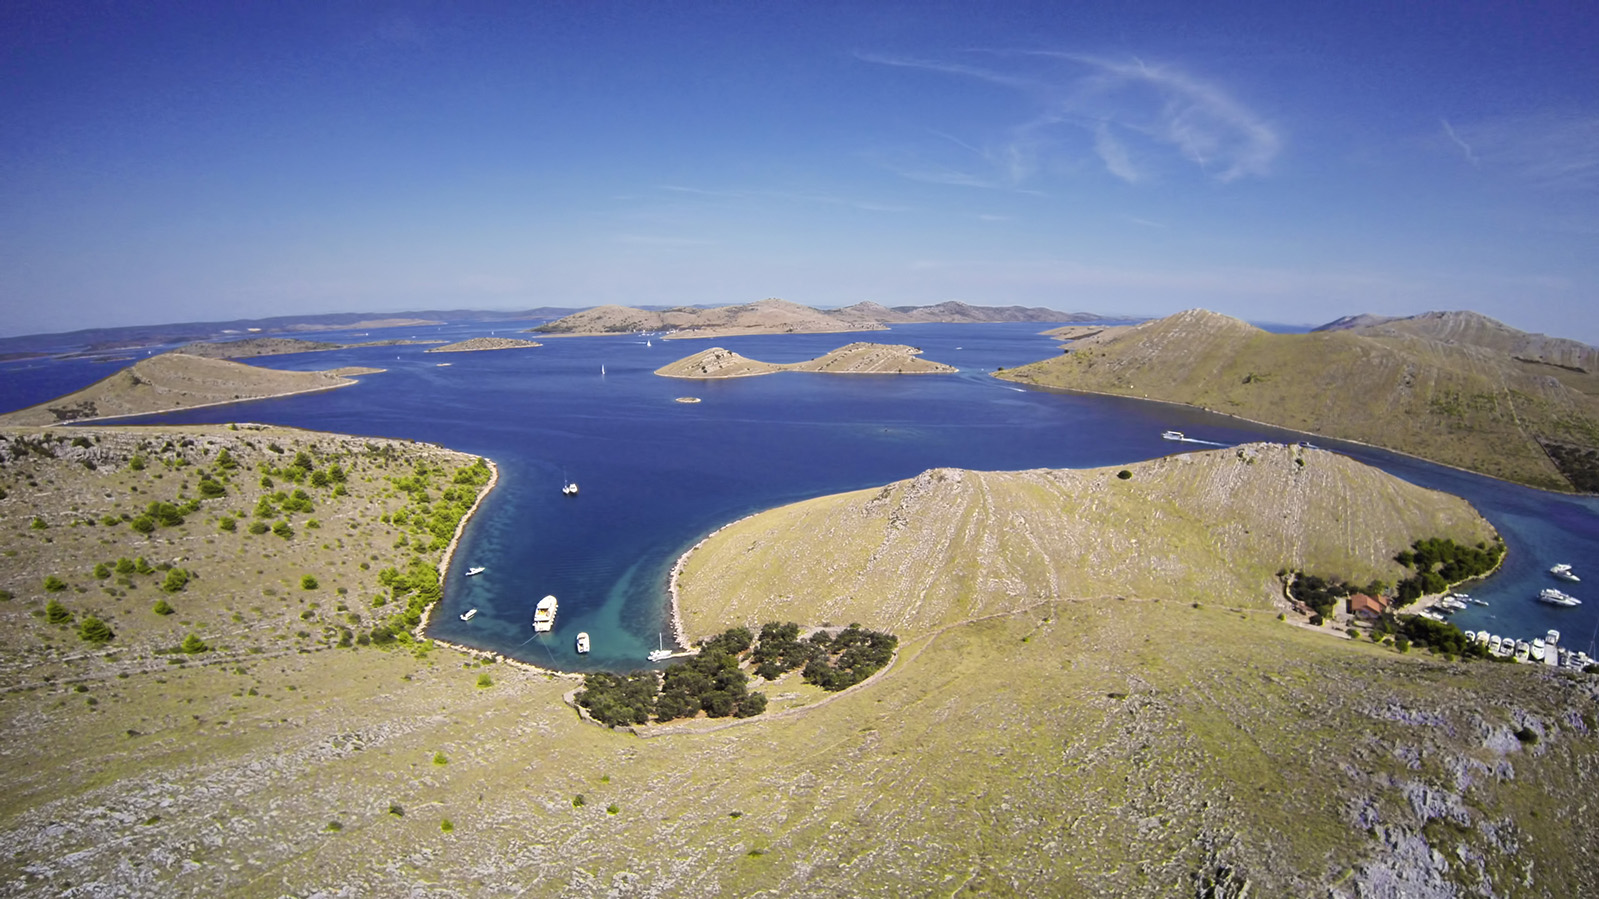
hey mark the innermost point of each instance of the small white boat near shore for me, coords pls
(583, 642)
(467, 615)
(475, 570)
(661, 653)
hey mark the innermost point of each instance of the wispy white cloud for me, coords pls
(1471, 155)
(1551, 151)
(1127, 111)
(1114, 155)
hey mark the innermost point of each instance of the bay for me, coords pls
(656, 475)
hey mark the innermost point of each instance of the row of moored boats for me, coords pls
(1544, 650)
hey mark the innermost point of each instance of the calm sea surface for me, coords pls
(657, 475)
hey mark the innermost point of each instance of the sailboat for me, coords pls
(657, 655)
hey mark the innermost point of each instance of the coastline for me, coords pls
(420, 633)
(678, 636)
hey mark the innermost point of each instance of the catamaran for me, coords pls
(662, 653)
(544, 615)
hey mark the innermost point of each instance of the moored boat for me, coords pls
(569, 489)
(661, 653)
(467, 615)
(475, 570)
(1558, 598)
(583, 642)
(544, 615)
(1564, 572)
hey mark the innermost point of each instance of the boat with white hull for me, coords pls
(544, 615)
(1558, 598)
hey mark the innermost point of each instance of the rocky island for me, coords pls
(480, 344)
(855, 358)
(173, 381)
(775, 316)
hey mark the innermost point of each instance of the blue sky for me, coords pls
(1279, 162)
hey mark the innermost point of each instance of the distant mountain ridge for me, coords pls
(776, 316)
(1456, 388)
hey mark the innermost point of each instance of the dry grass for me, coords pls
(1473, 407)
(1069, 746)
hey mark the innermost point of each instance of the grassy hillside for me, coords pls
(1464, 405)
(951, 545)
(854, 359)
(178, 381)
(1072, 747)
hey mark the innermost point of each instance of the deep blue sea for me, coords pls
(657, 475)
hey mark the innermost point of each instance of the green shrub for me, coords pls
(579, 801)
(38, 523)
(439, 759)
(192, 645)
(612, 809)
(176, 580)
(102, 571)
(308, 582)
(259, 527)
(483, 680)
(95, 631)
(283, 530)
(444, 825)
(211, 489)
(1124, 474)
(162, 607)
(142, 566)
(53, 584)
(56, 613)
(227, 523)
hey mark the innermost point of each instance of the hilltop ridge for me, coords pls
(776, 316)
(1451, 388)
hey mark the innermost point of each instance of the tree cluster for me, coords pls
(1440, 562)
(849, 657)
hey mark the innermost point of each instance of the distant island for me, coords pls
(1454, 387)
(481, 344)
(278, 346)
(774, 316)
(855, 358)
(173, 381)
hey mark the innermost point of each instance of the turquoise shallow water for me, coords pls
(657, 475)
